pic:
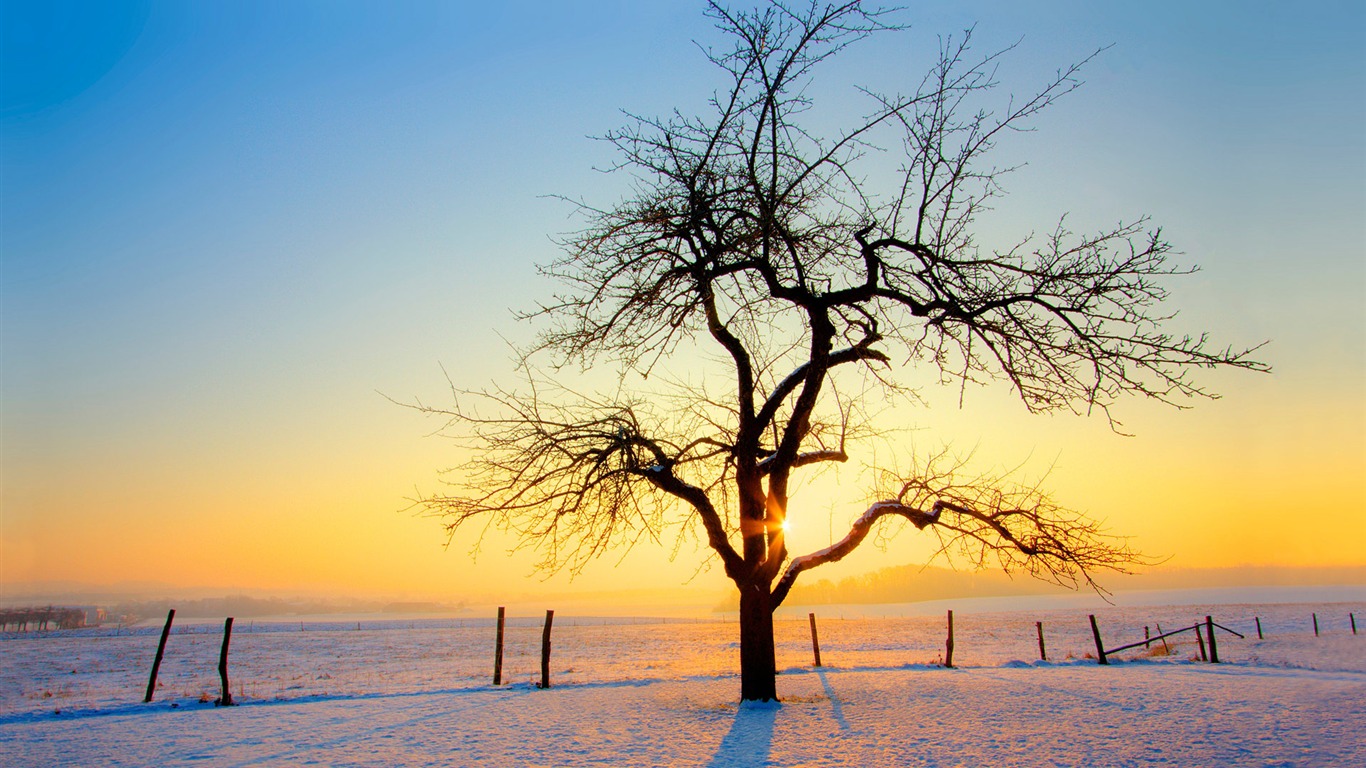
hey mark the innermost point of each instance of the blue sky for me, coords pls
(226, 226)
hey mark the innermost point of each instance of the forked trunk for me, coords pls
(757, 662)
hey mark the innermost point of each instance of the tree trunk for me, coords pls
(757, 662)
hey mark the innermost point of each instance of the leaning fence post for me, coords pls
(1038, 625)
(815, 642)
(1353, 618)
(498, 650)
(545, 650)
(161, 651)
(948, 645)
(1166, 649)
(1213, 646)
(1316, 624)
(1258, 619)
(1200, 640)
(1100, 648)
(226, 701)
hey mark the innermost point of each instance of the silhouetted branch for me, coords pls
(987, 520)
(783, 252)
(572, 481)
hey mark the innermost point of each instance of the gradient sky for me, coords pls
(228, 227)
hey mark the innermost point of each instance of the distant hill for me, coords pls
(914, 583)
(899, 584)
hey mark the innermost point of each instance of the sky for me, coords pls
(232, 234)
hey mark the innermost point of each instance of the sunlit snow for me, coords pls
(362, 691)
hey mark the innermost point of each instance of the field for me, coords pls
(416, 691)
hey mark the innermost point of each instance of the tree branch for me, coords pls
(985, 520)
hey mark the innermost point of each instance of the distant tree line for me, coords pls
(24, 619)
(245, 606)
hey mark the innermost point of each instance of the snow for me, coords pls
(655, 692)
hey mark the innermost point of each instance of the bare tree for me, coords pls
(751, 232)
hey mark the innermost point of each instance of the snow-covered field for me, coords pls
(654, 692)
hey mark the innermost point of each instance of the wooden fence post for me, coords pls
(1166, 649)
(1146, 637)
(1258, 619)
(1213, 646)
(1316, 624)
(545, 650)
(1353, 618)
(226, 701)
(1200, 640)
(1043, 656)
(161, 651)
(948, 650)
(815, 642)
(1100, 648)
(498, 650)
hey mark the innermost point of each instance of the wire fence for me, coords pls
(275, 659)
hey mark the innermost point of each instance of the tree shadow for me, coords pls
(750, 737)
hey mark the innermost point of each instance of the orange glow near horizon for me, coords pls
(1188, 489)
(225, 235)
